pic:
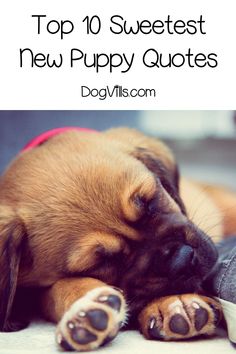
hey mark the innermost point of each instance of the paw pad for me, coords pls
(153, 331)
(112, 300)
(217, 314)
(98, 319)
(82, 335)
(201, 318)
(179, 325)
(92, 321)
(63, 343)
(179, 317)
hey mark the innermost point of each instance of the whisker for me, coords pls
(219, 213)
(198, 201)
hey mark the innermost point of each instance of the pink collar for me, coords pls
(40, 139)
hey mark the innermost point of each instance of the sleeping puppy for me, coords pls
(95, 221)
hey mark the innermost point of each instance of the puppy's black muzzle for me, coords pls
(183, 260)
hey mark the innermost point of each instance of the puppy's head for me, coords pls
(91, 205)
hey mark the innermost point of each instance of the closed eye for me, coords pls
(147, 207)
(152, 207)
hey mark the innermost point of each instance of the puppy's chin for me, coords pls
(186, 285)
(187, 282)
(138, 298)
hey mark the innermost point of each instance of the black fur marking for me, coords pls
(169, 178)
(9, 261)
(217, 314)
(15, 325)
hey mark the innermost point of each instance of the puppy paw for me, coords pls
(92, 321)
(180, 317)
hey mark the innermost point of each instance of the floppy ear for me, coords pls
(168, 175)
(12, 237)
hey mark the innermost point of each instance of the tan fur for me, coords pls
(47, 192)
(57, 299)
(132, 138)
(202, 209)
(225, 203)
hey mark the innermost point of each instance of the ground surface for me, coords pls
(39, 339)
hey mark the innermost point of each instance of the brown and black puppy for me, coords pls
(86, 213)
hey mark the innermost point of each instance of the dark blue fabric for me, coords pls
(222, 281)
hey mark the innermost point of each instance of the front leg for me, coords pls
(179, 317)
(89, 313)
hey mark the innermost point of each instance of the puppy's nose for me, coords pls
(182, 261)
